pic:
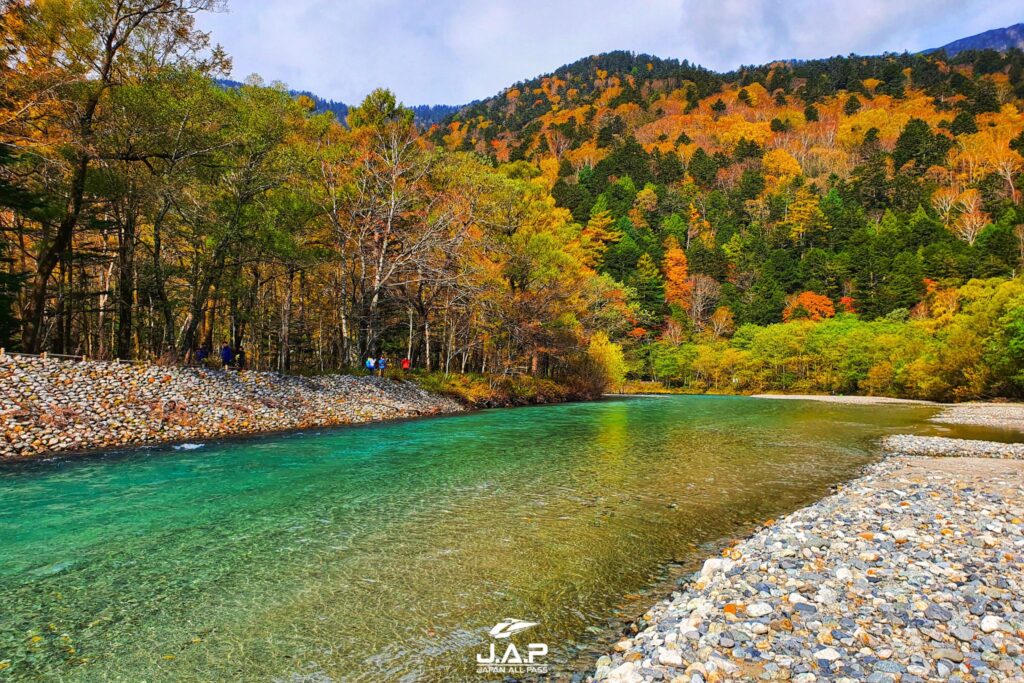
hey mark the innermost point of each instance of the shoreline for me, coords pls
(850, 399)
(52, 408)
(172, 447)
(998, 414)
(870, 583)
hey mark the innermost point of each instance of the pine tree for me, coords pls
(599, 232)
(649, 285)
(852, 106)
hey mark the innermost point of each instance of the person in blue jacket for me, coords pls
(226, 355)
(382, 364)
(371, 364)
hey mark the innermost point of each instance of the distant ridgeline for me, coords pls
(426, 114)
(997, 39)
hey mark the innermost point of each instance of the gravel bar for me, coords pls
(938, 446)
(1002, 415)
(53, 406)
(914, 572)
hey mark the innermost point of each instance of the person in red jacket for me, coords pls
(406, 364)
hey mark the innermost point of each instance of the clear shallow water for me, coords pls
(387, 552)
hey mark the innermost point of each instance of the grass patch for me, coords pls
(489, 391)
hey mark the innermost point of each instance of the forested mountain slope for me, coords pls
(788, 190)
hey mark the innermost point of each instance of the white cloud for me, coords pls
(454, 51)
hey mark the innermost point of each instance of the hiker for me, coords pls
(382, 364)
(226, 355)
(371, 364)
(240, 357)
(203, 353)
(406, 365)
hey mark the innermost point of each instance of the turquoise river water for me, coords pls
(387, 552)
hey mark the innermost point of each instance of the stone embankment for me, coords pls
(915, 572)
(50, 406)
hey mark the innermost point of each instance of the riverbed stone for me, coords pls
(759, 609)
(991, 623)
(963, 633)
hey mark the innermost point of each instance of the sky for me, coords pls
(455, 51)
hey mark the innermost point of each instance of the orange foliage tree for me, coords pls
(677, 275)
(810, 306)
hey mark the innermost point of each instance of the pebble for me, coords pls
(991, 623)
(828, 654)
(951, 655)
(963, 634)
(759, 609)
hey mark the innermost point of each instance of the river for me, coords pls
(387, 552)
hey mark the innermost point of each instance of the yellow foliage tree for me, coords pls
(803, 214)
(609, 359)
(780, 168)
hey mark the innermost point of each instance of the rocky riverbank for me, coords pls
(52, 406)
(1001, 415)
(938, 446)
(914, 572)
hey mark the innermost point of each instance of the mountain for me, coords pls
(865, 179)
(583, 111)
(426, 114)
(997, 39)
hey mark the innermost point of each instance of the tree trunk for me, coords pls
(52, 252)
(200, 296)
(408, 348)
(426, 342)
(125, 284)
(160, 290)
(284, 356)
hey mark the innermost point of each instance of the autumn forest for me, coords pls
(850, 225)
